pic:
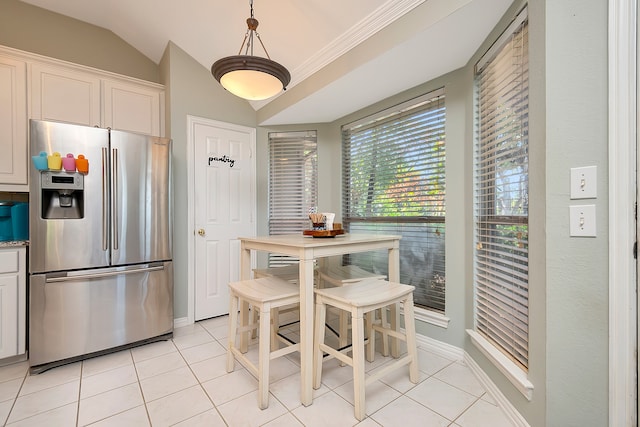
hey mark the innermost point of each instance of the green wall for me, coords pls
(576, 103)
(191, 90)
(36, 30)
(568, 276)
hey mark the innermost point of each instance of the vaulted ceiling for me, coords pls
(342, 54)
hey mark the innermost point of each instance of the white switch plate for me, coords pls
(582, 221)
(584, 182)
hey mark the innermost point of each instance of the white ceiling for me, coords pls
(342, 54)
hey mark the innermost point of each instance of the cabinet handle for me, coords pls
(105, 201)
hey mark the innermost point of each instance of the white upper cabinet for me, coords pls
(74, 95)
(65, 95)
(133, 108)
(13, 121)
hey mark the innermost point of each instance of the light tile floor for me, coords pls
(183, 382)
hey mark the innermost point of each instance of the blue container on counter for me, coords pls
(20, 221)
(6, 225)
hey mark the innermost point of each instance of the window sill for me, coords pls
(510, 370)
(431, 317)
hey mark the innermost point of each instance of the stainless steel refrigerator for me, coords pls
(100, 260)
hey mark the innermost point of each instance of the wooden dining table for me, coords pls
(307, 249)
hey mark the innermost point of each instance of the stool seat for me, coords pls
(340, 275)
(361, 299)
(290, 273)
(287, 272)
(365, 293)
(266, 289)
(266, 294)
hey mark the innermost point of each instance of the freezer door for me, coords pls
(78, 313)
(81, 239)
(141, 198)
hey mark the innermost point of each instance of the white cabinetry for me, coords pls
(133, 108)
(64, 95)
(13, 301)
(67, 94)
(13, 121)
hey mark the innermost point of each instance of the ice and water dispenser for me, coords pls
(62, 195)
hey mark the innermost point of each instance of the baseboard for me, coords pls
(455, 353)
(183, 321)
(441, 348)
(503, 403)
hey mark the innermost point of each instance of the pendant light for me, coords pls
(247, 76)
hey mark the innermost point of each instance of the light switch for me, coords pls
(583, 182)
(582, 221)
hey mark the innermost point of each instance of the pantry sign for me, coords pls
(222, 159)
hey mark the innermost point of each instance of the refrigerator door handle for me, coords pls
(114, 198)
(84, 276)
(105, 201)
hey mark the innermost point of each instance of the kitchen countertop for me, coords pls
(14, 243)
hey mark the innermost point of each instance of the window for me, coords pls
(502, 194)
(394, 183)
(293, 177)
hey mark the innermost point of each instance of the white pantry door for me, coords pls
(224, 196)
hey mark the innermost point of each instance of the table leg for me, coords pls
(306, 331)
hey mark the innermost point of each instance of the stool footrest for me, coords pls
(284, 351)
(392, 366)
(333, 353)
(245, 362)
(391, 332)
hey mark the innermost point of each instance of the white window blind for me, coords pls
(293, 188)
(394, 183)
(502, 194)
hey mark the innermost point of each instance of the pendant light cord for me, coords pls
(252, 29)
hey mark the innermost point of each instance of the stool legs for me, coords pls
(244, 320)
(231, 338)
(357, 348)
(318, 354)
(412, 345)
(264, 353)
(266, 296)
(363, 321)
(264, 346)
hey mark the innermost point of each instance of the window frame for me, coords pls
(382, 123)
(511, 367)
(300, 178)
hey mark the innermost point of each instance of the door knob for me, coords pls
(201, 232)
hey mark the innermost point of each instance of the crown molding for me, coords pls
(358, 33)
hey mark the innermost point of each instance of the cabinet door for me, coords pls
(64, 95)
(8, 315)
(13, 301)
(132, 108)
(13, 121)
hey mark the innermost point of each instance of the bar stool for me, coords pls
(342, 275)
(264, 294)
(361, 300)
(287, 272)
